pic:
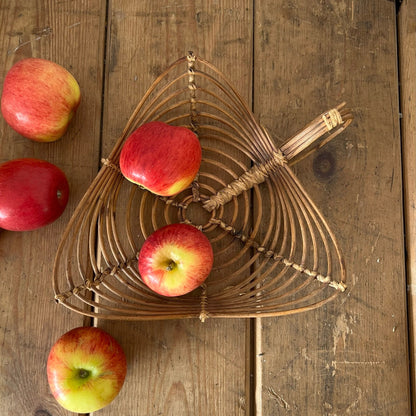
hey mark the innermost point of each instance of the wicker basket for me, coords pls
(274, 252)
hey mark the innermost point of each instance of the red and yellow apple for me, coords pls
(86, 369)
(162, 158)
(175, 259)
(39, 99)
(33, 193)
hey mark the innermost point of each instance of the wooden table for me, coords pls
(290, 60)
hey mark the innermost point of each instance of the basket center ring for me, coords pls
(193, 212)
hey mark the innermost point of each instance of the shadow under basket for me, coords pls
(274, 253)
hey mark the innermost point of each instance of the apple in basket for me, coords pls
(86, 369)
(162, 158)
(175, 259)
(39, 99)
(33, 193)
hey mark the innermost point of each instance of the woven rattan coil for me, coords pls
(274, 253)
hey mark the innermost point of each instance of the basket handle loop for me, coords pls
(325, 127)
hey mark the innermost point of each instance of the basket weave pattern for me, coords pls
(274, 253)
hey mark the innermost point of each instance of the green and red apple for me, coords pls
(175, 259)
(33, 193)
(39, 99)
(86, 369)
(162, 158)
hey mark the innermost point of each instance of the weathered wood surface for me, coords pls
(407, 66)
(71, 34)
(341, 359)
(290, 61)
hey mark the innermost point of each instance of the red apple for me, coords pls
(161, 158)
(86, 369)
(33, 193)
(175, 259)
(39, 99)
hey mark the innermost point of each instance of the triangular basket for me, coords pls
(274, 253)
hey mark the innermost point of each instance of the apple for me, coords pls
(33, 193)
(39, 99)
(161, 158)
(175, 259)
(86, 369)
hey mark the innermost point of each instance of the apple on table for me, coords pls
(175, 259)
(161, 158)
(39, 99)
(33, 193)
(86, 369)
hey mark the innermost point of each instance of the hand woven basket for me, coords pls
(274, 253)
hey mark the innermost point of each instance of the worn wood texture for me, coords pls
(407, 59)
(70, 34)
(290, 61)
(177, 367)
(348, 357)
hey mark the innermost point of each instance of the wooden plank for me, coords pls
(70, 34)
(349, 357)
(407, 63)
(177, 367)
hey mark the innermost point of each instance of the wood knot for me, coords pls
(324, 165)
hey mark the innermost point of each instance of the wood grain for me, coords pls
(407, 61)
(291, 61)
(70, 34)
(177, 367)
(348, 357)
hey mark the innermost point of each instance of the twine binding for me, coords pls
(90, 285)
(110, 164)
(192, 92)
(256, 175)
(294, 146)
(332, 119)
(204, 303)
(341, 286)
